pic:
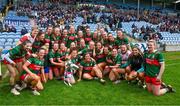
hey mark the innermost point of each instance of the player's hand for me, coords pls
(44, 80)
(14, 64)
(34, 55)
(158, 79)
(111, 66)
(35, 77)
(106, 67)
(109, 61)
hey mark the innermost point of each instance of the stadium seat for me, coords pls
(2, 40)
(7, 47)
(1, 47)
(9, 40)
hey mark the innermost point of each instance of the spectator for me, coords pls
(24, 31)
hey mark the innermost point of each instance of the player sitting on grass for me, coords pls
(135, 67)
(88, 70)
(113, 66)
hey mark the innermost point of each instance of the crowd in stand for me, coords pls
(7, 28)
(146, 33)
(56, 14)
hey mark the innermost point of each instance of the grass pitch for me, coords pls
(93, 93)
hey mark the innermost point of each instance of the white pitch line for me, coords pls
(172, 64)
(172, 59)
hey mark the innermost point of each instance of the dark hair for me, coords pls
(26, 42)
(73, 49)
(40, 33)
(123, 44)
(86, 54)
(40, 49)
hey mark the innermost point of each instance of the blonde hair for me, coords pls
(34, 27)
(152, 41)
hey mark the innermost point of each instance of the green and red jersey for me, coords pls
(17, 53)
(71, 38)
(100, 57)
(88, 38)
(80, 48)
(55, 39)
(105, 42)
(48, 38)
(36, 45)
(46, 60)
(76, 60)
(87, 50)
(78, 40)
(115, 60)
(35, 65)
(62, 55)
(53, 55)
(64, 40)
(87, 66)
(112, 44)
(121, 41)
(152, 63)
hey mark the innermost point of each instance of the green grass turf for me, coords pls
(93, 93)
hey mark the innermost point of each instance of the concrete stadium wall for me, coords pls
(172, 47)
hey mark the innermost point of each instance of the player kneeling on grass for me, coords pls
(135, 67)
(154, 69)
(87, 69)
(14, 59)
(33, 70)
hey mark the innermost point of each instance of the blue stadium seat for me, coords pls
(7, 47)
(1, 47)
(9, 40)
(2, 40)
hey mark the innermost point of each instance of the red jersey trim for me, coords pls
(100, 56)
(34, 67)
(71, 37)
(152, 62)
(88, 68)
(24, 38)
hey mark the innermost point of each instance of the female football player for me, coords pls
(154, 68)
(14, 59)
(33, 69)
(88, 69)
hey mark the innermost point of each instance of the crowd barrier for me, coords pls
(172, 47)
